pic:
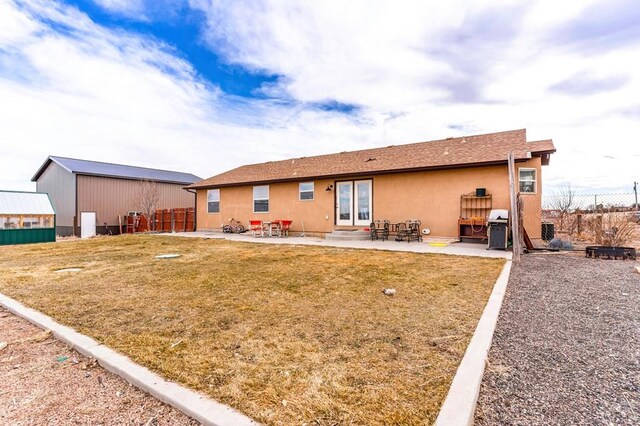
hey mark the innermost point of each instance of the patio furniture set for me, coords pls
(273, 228)
(409, 230)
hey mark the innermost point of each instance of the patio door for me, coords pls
(344, 203)
(353, 203)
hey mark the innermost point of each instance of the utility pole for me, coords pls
(635, 190)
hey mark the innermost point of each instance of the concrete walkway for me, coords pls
(429, 245)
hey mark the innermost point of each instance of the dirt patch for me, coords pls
(285, 334)
(566, 346)
(46, 382)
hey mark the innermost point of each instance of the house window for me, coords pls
(306, 191)
(527, 179)
(213, 201)
(261, 199)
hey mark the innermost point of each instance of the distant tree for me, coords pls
(147, 198)
(563, 201)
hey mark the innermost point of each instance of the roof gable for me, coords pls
(121, 171)
(445, 153)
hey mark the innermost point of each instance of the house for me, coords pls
(430, 181)
(26, 217)
(108, 190)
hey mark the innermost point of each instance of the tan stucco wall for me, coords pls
(533, 202)
(433, 197)
(237, 203)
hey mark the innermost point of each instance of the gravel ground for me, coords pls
(567, 345)
(45, 382)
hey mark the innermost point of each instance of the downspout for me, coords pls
(195, 210)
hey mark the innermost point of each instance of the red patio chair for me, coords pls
(285, 225)
(256, 227)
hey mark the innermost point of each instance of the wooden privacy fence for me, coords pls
(174, 220)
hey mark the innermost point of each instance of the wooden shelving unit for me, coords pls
(474, 211)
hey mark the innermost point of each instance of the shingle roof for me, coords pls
(445, 153)
(96, 168)
(25, 203)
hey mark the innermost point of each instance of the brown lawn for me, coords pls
(285, 334)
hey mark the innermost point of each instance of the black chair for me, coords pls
(379, 229)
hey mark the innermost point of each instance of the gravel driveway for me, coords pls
(44, 382)
(567, 345)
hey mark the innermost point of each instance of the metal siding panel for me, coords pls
(27, 236)
(112, 197)
(61, 187)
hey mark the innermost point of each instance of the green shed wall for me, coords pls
(27, 236)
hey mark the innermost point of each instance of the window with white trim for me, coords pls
(527, 179)
(213, 201)
(261, 199)
(306, 191)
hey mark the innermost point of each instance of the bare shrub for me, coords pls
(147, 197)
(613, 229)
(563, 201)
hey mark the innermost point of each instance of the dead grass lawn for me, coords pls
(285, 334)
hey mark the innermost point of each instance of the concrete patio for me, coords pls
(429, 245)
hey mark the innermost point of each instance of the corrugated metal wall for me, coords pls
(61, 187)
(27, 236)
(110, 197)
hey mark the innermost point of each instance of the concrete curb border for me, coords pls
(460, 404)
(193, 404)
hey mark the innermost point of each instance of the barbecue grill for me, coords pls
(498, 229)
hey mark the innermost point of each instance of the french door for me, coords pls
(354, 203)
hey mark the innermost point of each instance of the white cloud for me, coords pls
(435, 64)
(417, 71)
(129, 8)
(91, 93)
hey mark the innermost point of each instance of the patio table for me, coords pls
(396, 228)
(271, 226)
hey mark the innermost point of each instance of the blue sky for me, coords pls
(202, 86)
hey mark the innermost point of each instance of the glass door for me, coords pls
(363, 202)
(344, 203)
(354, 203)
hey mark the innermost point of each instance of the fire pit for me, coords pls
(611, 252)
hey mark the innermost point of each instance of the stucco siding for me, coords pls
(61, 187)
(110, 197)
(434, 197)
(284, 203)
(431, 196)
(532, 203)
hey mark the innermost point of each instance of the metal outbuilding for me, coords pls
(104, 191)
(26, 217)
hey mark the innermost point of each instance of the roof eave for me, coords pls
(41, 170)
